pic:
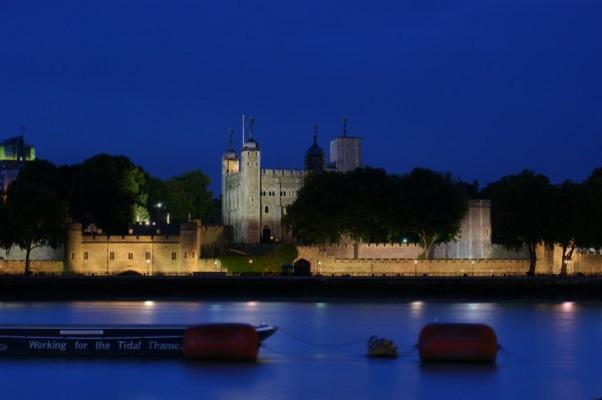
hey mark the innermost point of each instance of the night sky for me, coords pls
(478, 88)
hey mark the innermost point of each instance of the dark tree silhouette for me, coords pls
(34, 214)
(429, 207)
(108, 191)
(520, 212)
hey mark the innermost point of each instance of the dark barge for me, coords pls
(102, 341)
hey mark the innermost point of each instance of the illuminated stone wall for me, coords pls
(17, 267)
(278, 191)
(324, 264)
(144, 254)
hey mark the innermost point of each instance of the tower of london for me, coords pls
(255, 200)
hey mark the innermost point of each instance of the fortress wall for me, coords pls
(323, 263)
(214, 240)
(17, 267)
(499, 251)
(583, 263)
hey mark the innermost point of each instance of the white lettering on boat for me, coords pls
(154, 345)
(47, 345)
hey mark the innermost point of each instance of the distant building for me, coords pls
(14, 153)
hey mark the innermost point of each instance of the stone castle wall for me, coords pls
(215, 240)
(144, 254)
(323, 263)
(17, 267)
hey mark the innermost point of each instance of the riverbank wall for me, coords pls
(64, 288)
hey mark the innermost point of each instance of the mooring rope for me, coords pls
(300, 339)
(316, 344)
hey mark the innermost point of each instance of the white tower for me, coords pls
(251, 188)
(345, 151)
(230, 165)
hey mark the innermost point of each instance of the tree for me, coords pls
(34, 215)
(520, 212)
(567, 225)
(109, 191)
(317, 213)
(590, 212)
(367, 205)
(429, 206)
(184, 196)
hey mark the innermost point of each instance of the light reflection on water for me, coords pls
(552, 350)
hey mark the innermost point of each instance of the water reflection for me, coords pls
(553, 348)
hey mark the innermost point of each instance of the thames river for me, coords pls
(551, 350)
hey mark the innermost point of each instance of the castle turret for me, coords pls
(230, 165)
(314, 156)
(345, 151)
(73, 247)
(251, 189)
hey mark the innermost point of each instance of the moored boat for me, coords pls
(102, 341)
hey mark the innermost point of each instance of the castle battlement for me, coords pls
(283, 172)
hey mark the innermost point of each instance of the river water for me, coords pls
(552, 351)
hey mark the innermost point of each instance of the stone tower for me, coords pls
(230, 166)
(345, 151)
(250, 182)
(314, 156)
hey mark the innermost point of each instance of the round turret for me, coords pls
(230, 154)
(314, 156)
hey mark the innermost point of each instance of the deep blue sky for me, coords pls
(480, 88)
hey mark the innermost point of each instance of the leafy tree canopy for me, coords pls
(370, 206)
(34, 213)
(108, 191)
(520, 211)
(183, 197)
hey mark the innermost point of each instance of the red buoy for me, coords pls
(457, 343)
(235, 342)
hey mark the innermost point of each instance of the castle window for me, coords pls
(267, 209)
(112, 255)
(73, 256)
(193, 254)
(173, 255)
(147, 255)
(185, 254)
(85, 255)
(130, 256)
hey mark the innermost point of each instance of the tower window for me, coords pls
(130, 256)
(147, 255)
(267, 209)
(173, 255)
(85, 255)
(112, 255)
